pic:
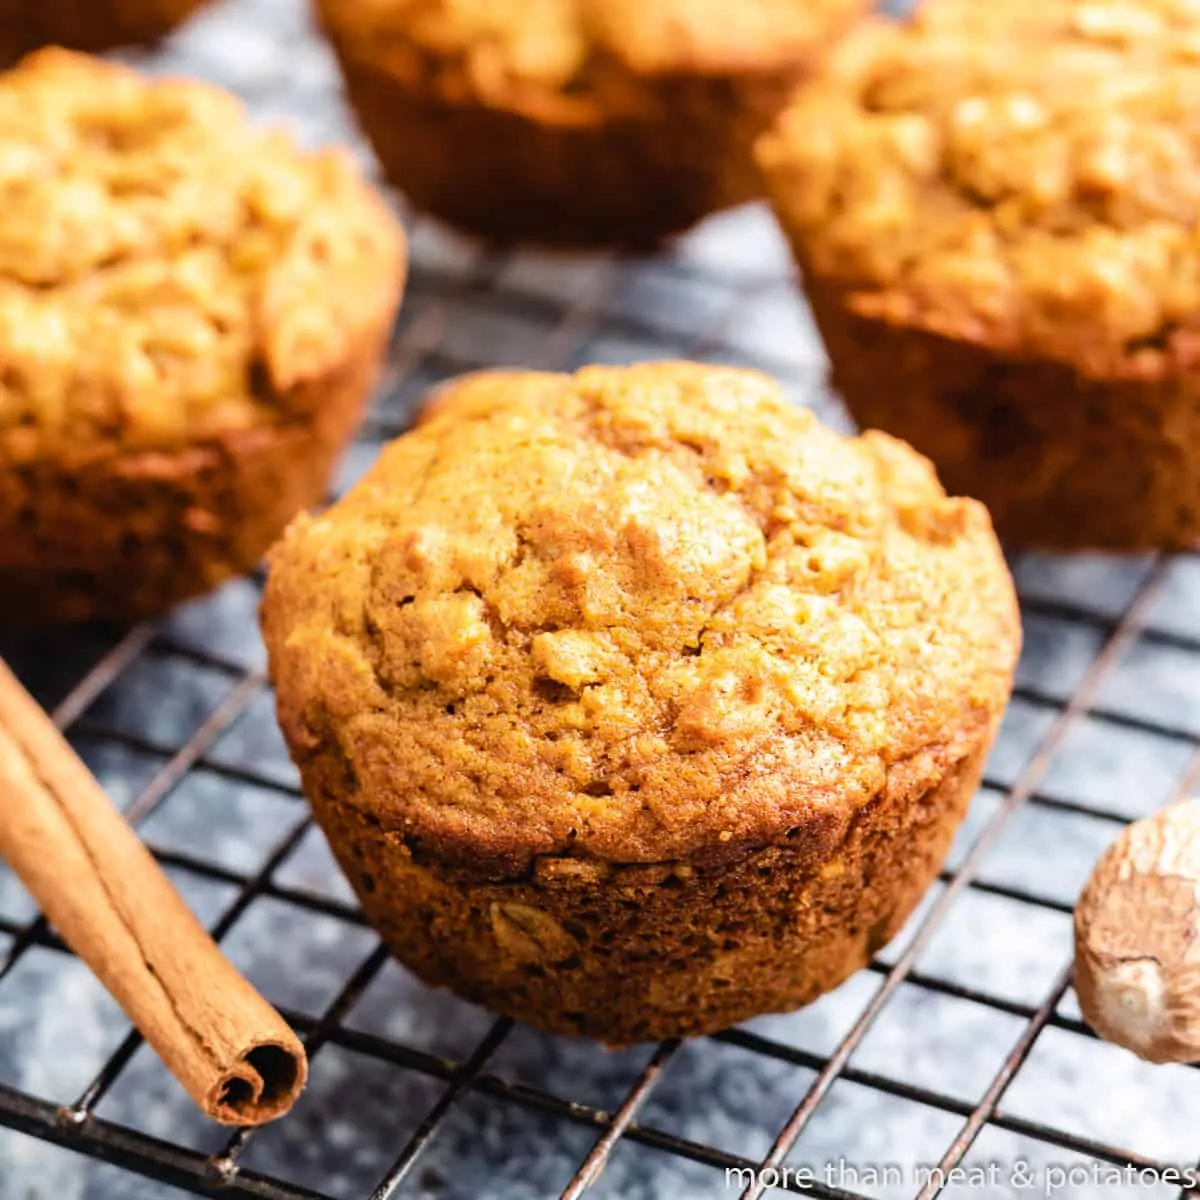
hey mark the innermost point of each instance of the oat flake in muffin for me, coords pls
(634, 702)
(191, 312)
(995, 208)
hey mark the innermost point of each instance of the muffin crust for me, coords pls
(634, 952)
(177, 289)
(638, 628)
(503, 54)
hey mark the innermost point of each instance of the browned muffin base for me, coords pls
(92, 25)
(129, 537)
(1061, 460)
(632, 953)
(626, 182)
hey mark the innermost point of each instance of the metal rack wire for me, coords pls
(464, 305)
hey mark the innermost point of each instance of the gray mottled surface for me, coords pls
(723, 294)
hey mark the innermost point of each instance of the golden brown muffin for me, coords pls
(995, 209)
(478, 392)
(191, 316)
(87, 24)
(636, 703)
(575, 121)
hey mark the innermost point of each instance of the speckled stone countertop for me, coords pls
(725, 294)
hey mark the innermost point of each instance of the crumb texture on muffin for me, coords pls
(1020, 173)
(498, 52)
(192, 314)
(640, 614)
(169, 273)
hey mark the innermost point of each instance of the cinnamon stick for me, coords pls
(112, 904)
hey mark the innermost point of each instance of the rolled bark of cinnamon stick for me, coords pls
(108, 898)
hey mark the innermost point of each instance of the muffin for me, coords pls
(634, 703)
(480, 391)
(87, 24)
(575, 121)
(995, 210)
(191, 317)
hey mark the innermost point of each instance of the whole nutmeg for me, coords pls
(1137, 938)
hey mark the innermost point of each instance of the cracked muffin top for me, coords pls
(638, 614)
(167, 271)
(1021, 173)
(511, 54)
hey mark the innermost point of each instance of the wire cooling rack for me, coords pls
(962, 1047)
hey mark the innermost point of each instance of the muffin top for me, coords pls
(636, 614)
(516, 54)
(167, 272)
(1018, 173)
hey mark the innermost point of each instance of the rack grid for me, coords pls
(175, 718)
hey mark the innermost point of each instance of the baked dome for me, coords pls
(640, 614)
(497, 51)
(1020, 173)
(168, 271)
